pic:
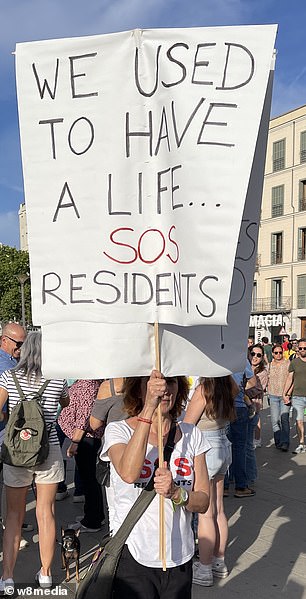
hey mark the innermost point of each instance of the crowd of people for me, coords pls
(281, 368)
(113, 430)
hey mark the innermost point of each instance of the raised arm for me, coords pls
(198, 498)
(128, 458)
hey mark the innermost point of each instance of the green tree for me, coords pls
(14, 262)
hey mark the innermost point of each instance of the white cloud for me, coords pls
(9, 228)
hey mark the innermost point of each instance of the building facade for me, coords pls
(23, 229)
(279, 292)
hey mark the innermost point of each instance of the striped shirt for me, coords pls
(56, 389)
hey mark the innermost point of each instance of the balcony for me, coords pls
(272, 304)
(276, 257)
(278, 164)
(303, 155)
(277, 210)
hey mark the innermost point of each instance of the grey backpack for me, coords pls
(26, 438)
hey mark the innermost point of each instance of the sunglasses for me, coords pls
(302, 348)
(18, 343)
(254, 354)
(278, 352)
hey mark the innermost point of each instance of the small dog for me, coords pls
(70, 551)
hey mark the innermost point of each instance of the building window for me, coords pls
(276, 294)
(302, 195)
(276, 248)
(301, 291)
(302, 243)
(278, 201)
(279, 155)
(303, 147)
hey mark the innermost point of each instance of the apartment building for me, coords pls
(279, 292)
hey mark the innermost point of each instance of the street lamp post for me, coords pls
(22, 278)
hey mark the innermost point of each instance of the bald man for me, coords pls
(13, 336)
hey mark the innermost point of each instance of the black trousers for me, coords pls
(134, 581)
(86, 458)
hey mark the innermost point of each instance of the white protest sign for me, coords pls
(92, 350)
(217, 351)
(137, 149)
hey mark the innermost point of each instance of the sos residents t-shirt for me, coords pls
(143, 542)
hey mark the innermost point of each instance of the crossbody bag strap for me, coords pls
(42, 388)
(141, 503)
(20, 391)
(18, 387)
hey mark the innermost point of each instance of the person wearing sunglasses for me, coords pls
(295, 349)
(17, 480)
(13, 336)
(258, 364)
(295, 385)
(279, 406)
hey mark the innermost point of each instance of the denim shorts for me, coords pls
(219, 456)
(298, 404)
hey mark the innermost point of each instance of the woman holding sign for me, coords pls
(132, 447)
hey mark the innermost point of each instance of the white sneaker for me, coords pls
(7, 586)
(23, 543)
(45, 582)
(300, 448)
(219, 568)
(202, 575)
(257, 443)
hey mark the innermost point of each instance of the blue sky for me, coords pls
(27, 20)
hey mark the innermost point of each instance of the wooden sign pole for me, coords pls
(162, 528)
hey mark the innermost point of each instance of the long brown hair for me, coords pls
(133, 401)
(261, 366)
(219, 396)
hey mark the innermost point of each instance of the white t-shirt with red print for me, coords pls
(143, 542)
